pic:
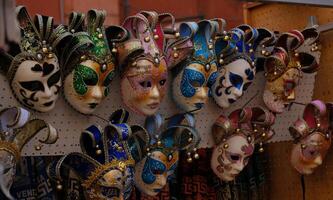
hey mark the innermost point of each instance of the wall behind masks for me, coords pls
(285, 182)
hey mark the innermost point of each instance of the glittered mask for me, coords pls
(237, 52)
(145, 58)
(156, 168)
(106, 166)
(312, 137)
(34, 74)
(294, 53)
(89, 64)
(15, 131)
(194, 77)
(235, 138)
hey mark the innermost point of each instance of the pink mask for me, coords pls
(145, 58)
(235, 137)
(294, 53)
(312, 137)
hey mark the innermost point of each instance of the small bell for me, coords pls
(59, 186)
(296, 54)
(249, 138)
(83, 57)
(170, 157)
(114, 50)
(177, 34)
(174, 48)
(175, 55)
(190, 139)
(263, 52)
(237, 129)
(318, 125)
(39, 56)
(263, 134)
(154, 30)
(196, 156)
(44, 42)
(98, 152)
(226, 38)
(147, 39)
(147, 149)
(255, 130)
(189, 159)
(50, 55)
(225, 145)
(221, 61)
(72, 31)
(100, 35)
(275, 73)
(134, 64)
(98, 29)
(159, 143)
(303, 146)
(103, 68)
(156, 37)
(207, 67)
(261, 149)
(210, 46)
(156, 60)
(50, 48)
(251, 50)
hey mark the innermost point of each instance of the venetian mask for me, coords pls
(160, 159)
(89, 64)
(34, 73)
(235, 138)
(312, 136)
(194, 77)
(106, 166)
(11, 143)
(237, 51)
(143, 62)
(294, 53)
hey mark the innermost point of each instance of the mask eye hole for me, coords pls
(236, 80)
(54, 79)
(234, 157)
(33, 86)
(246, 86)
(145, 84)
(195, 83)
(162, 82)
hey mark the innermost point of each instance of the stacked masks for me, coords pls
(240, 53)
(312, 137)
(34, 74)
(295, 52)
(106, 166)
(88, 64)
(15, 131)
(235, 137)
(159, 160)
(151, 48)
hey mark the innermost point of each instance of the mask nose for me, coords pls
(96, 93)
(238, 92)
(155, 93)
(47, 92)
(162, 180)
(238, 167)
(318, 160)
(202, 94)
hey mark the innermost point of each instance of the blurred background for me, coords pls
(117, 10)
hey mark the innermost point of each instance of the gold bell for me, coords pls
(134, 64)
(175, 55)
(275, 73)
(114, 50)
(98, 152)
(210, 46)
(59, 186)
(263, 52)
(44, 49)
(159, 143)
(177, 34)
(147, 39)
(251, 50)
(221, 61)
(50, 55)
(237, 129)
(190, 139)
(318, 125)
(296, 54)
(156, 37)
(83, 57)
(196, 156)
(263, 134)
(255, 130)
(100, 35)
(261, 149)
(303, 146)
(189, 159)
(226, 38)
(225, 146)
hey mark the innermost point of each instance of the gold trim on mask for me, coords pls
(11, 148)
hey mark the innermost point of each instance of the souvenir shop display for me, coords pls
(106, 165)
(193, 78)
(167, 139)
(16, 130)
(294, 53)
(88, 63)
(312, 137)
(34, 74)
(239, 52)
(235, 137)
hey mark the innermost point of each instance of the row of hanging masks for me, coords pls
(17, 128)
(119, 156)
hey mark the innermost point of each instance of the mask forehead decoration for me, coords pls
(34, 73)
(145, 58)
(312, 137)
(240, 52)
(235, 137)
(161, 156)
(194, 77)
(106, 164)
(16, 129)
(89, 65)
(295, 52)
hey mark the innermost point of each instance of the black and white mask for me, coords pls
(36, 84)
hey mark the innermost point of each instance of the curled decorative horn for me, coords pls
(221, 129)
(119, 116)
(12, 118)
(262, 121)
(138, 142)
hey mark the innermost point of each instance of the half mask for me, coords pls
(235, 138)
(312, 137)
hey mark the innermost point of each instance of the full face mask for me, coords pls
(34, 74)
(194, 77)
(89, 66)
(294, 53)
(312, 137)
(15, 131)
(235, 138)
(106, 164)
(239, 57)
(160, 159)
(145, 58)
